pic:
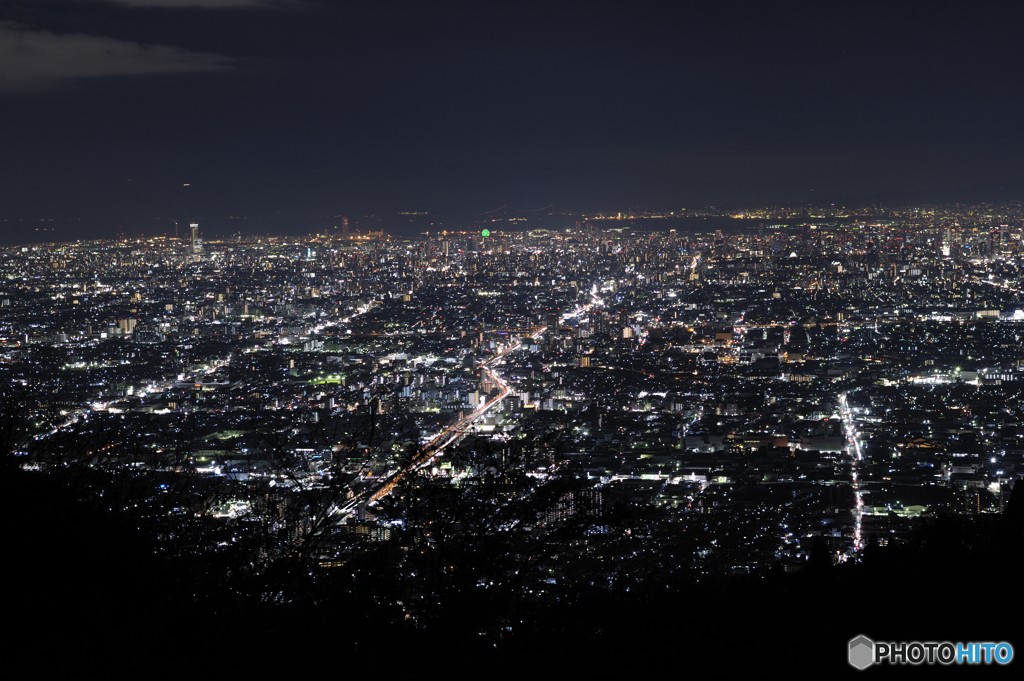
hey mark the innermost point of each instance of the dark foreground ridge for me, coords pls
(89, 583)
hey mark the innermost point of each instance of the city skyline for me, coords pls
(453, 331)
(480, 438)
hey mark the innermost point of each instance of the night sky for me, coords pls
(302, 107)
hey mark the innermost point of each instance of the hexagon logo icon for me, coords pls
(862, 652)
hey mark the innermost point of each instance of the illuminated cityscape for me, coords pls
(540, 338)
(646, 406)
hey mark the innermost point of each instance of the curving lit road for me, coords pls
(453, 432)
(450, 434)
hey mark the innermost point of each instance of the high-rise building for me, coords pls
(197, 243)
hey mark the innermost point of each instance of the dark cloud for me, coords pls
(209, 4)
(40, 60)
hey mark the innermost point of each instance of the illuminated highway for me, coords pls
(450, 434)
(851, 434)
(454, 432)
